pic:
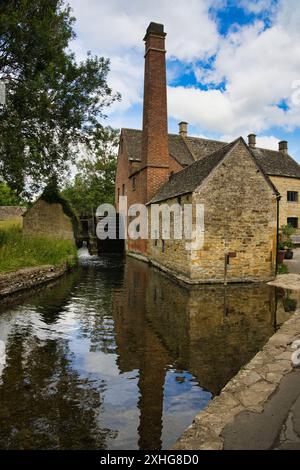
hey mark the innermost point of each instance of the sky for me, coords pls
(233, 66)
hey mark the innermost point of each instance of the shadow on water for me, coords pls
(118, 356)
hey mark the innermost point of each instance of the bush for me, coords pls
(18, 251)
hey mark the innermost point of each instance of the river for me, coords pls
(117, 356)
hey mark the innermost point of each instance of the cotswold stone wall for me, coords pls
(240, 217)
(12, 213)
(171, 254)
(48, 219)
(28, 277)
(287, 209)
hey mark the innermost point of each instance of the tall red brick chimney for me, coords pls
(155, 153)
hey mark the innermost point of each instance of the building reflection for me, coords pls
(211, 331)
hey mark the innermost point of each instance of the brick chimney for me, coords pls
(155, 152)
(283, 147)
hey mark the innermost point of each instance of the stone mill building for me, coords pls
(247, 192)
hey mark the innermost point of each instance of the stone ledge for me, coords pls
(29, 277)
(249, 390)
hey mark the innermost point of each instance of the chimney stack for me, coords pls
(252, 141)
(183, 129)
(155, 152)
(283, 147)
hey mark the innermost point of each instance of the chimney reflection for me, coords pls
(210, 331)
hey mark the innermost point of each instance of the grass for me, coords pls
(18, 251)
(282, 269)
(14, 222)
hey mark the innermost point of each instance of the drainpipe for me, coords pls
(278, 197)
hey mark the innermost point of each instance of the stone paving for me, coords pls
(246, 404)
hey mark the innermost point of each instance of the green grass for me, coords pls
(282, 269)
(18, 251)
(14, 222)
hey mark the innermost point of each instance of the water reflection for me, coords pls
(121, 357)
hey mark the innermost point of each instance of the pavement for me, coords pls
(294, 264)
(277, 427)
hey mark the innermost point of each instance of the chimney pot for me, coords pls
(283, 147)
(252, 141)
(183, 129)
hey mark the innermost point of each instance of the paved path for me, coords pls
(294, 264)
(277, 427)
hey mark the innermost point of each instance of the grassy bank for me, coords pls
(18, 251)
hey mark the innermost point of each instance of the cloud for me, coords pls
(257, 6)
(257, 67)
(253, 66)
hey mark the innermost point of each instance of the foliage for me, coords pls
(285, 241)
(287, 231)
(8, 197)
(95, 178)
(282, 269)
(53, 103)
(18, 251)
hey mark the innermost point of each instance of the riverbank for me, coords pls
(28, 278)
(249, 402)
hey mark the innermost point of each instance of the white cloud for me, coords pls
(257, 65)
(256, 6)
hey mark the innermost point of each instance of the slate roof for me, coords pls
(188, 179)
(187, 150)
(276, 163)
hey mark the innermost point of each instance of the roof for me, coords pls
(191, 177)
(276, 163)
(188, 149)
(188, 179)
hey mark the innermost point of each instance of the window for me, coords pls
(123, 189)
(292, 196)
(293, 221)
(133, 183)
(163, 246)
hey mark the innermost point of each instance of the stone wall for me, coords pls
(49, 220)
(13, 213)
(28, 277)
(240, 217)
(287, 209)
(171, 254)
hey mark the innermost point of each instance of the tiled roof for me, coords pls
(276, 163)
(187, 150)
(188, 179)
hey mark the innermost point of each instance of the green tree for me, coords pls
(53, 104)
(8, 197)
(95, 177)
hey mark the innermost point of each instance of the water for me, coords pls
(118, 356)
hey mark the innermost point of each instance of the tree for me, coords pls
(8, 197)
(53, 104)
(95, 177)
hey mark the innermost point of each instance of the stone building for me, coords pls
(48, 219)
(12, 214)
(238, 183)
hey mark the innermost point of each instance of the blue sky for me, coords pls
(233, 66)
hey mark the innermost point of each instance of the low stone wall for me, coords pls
(249, 390)
(29, 277)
